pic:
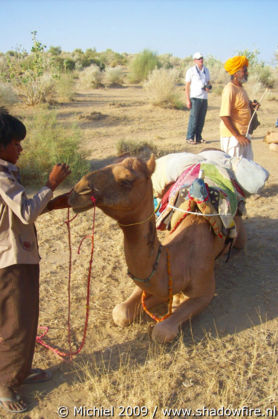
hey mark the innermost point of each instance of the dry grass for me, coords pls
(193, 375)
(8, 96)
(227, 356)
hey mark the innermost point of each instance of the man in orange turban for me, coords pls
(235, 112)
(232, 65)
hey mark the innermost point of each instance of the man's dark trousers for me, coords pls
(197, 118)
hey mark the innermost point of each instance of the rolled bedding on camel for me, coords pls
(250, 176)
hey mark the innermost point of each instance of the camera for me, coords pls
(207, 86)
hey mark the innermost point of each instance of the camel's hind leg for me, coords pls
(168, 329)
(126, 312)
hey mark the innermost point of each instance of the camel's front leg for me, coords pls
(168, 329)
(126, 312)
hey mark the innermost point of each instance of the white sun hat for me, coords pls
(197, 56)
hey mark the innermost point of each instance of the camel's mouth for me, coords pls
(80, 209)
(81, 201)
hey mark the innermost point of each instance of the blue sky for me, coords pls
(180, 27)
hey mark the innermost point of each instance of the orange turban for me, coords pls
(232, 65)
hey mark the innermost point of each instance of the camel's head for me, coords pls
(117, 188)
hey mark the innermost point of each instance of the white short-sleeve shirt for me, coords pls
(198, 79)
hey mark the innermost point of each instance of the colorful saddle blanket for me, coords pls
(201, 188)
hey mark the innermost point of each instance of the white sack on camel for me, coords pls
(249, 174)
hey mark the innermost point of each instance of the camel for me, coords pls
(271, 138)
(124, 192)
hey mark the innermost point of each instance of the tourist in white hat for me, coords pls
(197, 86)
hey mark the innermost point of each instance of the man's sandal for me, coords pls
(191, 141)
(15, 399)
(37, 375)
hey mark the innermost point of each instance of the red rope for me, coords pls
(39, 339)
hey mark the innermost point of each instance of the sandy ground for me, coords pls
(246, 294)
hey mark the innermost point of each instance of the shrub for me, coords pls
(186, 63)
(112, 59)
(142, 65)
(68, 64)
(161, 88)
(65, 87)
(48, 143)
(8, 96)
(55, 51)
(40, 90)
(87, 58)
(169, 61)
(141, 149)
(266, 78)
(91, 77)
(114, 76)
(31, 75)
(252, 56)
(217, 71)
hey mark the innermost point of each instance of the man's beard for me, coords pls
(243, 80)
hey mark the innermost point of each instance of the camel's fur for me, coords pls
(271, 138)
(124, 192)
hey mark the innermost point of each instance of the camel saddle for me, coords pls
(206, 189)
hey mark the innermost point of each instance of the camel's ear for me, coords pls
(151, 164)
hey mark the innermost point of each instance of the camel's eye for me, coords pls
(126, 183)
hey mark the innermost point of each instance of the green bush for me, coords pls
(87, 58)
(55, 51)
(142, 65)
(68, 64)
(48, 143)
(112, 59)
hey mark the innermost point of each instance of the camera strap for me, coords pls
(199, 72)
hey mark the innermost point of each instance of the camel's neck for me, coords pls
(141, 244)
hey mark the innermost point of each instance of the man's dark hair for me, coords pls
(11, 128)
